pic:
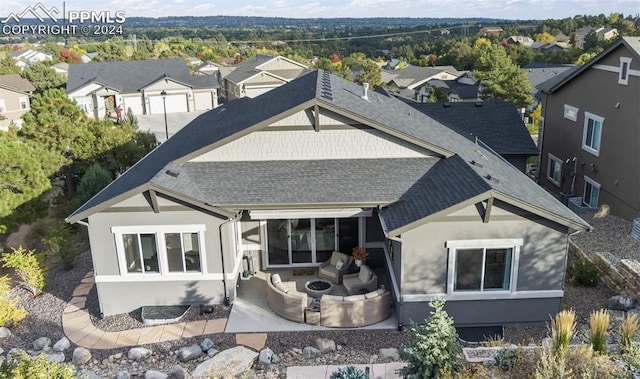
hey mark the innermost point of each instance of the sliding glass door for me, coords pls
(304, 242)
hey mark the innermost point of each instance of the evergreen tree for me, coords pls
(93, 180)
(42, 76)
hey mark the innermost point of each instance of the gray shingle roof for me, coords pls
(247, 68)
(131, 76)
(334, 181)
(498, 124)
(16, 82)
(465, 91)
(379, 111)
(413, 74)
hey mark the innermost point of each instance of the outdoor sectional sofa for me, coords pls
(335, 311)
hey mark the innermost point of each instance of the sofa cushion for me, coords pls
(331, 297)
(371, 294)
(340, 264)
(280, 286)
(354, 298)
(365, 274)
(275, 279)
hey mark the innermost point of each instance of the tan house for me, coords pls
(591, 135)
(259, 74)
(14, 99)
(491, 30)
(581, 34)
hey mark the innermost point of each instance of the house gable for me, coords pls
(165, 83)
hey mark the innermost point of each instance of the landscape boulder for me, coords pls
(62, 344)
(621, 303)
(80, 356)
(138, 353)
(228, 363)
(41, 343)
(188, 353)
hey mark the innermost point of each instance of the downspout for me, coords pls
(226, 301)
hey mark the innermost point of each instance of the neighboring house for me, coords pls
(461, 89)
(61, 68)
(549, 47)
(407, 81)
(519, 40)
(498, 125)
(259, 74)
(590, 135)
(14, 99)
(582, 33)
(101, 87)
(491, 30)
(26, 57)
(540, 72)
(323, 159)
(88, 57)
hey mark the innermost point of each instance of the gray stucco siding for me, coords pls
(425, 256)
(486, 312)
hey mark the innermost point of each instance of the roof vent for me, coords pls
(446, 104)
(173, 173)
(478, 103)
(474, 163)
(365, 89)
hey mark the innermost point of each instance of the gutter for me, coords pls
(226, 301)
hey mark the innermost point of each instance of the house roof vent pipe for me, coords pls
(365, 89)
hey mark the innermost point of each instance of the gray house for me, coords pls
(151, 86)
(321, 164)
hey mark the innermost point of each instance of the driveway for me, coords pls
(175, 122)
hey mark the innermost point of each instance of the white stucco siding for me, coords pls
(311, 145)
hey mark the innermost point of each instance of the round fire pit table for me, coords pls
(318, 287)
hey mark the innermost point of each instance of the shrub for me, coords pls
(585, 363)
(598, 325)
(508, 359)
(493, 341)
(57, 242)
(24, 366)
(467, 371)
(93, 180)
(551, 366)
(583, 273)
(27, 266)
(348, 372)
(628, 329)
(562, 329)
(10, 312)
(434, 347)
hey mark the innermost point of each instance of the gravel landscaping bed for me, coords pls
(356, 346)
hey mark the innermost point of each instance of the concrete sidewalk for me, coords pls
(376, 371)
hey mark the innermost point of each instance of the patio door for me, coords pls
(308, 241)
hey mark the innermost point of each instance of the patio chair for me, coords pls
(334, 269)
(360, 282)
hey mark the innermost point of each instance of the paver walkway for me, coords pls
(79, 329)
(376, 371)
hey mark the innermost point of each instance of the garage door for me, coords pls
(203, 101)
(175, 104)
(135, 103)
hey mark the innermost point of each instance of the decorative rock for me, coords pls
(388, 355)
(177, 372)
(153, 374)
(138, 353)
(62, 344)
(266, 356)
(1, 350)
(211, 352)
(80, 356)
(41, 343)
(4, 332)
(275, 359)
(621, 302)
(13, 352)
(206, 344)
(188, 353)
(123, 375)
(310, 352)
(87, 374)
(635, 311)
(325, 345)
(55, 357)
(229, 363)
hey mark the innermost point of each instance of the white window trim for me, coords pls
(571, 112)
(590, 116)
(159, 231)
(624, 61)
(514, 243)
(558, 161)
(25, 100)
(593, 183)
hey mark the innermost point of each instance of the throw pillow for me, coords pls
(275, 279)
(339, 264)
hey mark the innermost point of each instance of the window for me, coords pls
(160, 249)
(482, 265)
(592, 133)
(23, 103)
(591, 192)
(570, 112)
(554, 170)
(623, 73)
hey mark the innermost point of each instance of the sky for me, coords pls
(503, 9)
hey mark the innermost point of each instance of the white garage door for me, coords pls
(135, 103)
(255, 92)
(203, 101)
(175, 104)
